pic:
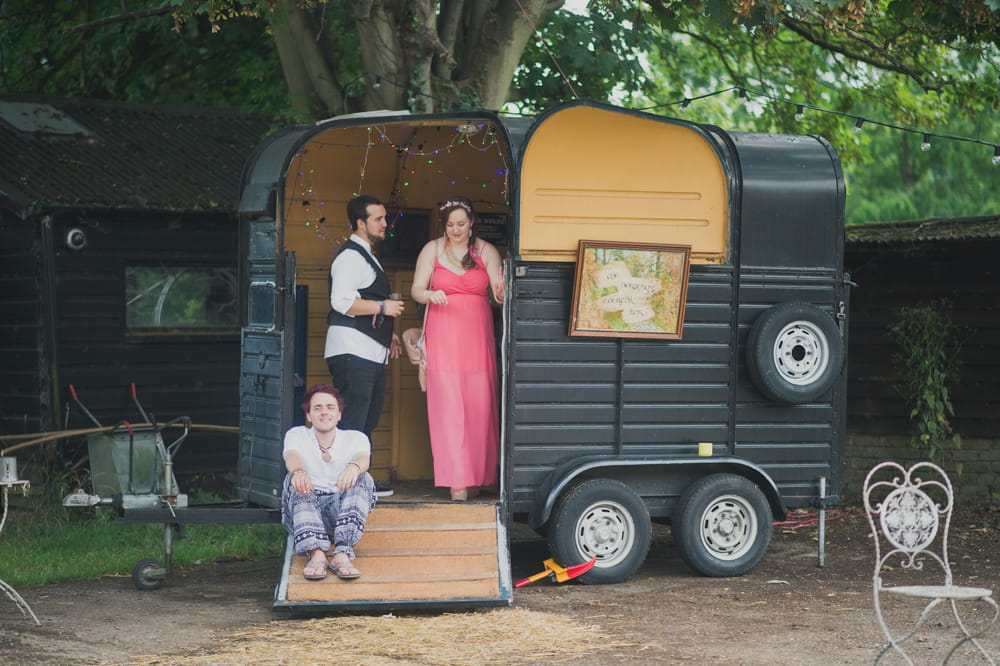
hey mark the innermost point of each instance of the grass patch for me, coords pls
(43, 542)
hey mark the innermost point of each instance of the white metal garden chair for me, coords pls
(909, 510)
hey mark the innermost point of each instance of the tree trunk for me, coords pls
(411, 59)
(494, 50)
(386, 66)
(312, 79)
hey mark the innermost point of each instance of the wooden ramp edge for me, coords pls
(412, 555)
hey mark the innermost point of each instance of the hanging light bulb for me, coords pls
(926, 145)
(799, 113)
(857, 126)
(996, 155)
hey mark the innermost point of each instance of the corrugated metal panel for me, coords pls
(586, 396)
(797, 444)
(268, 356)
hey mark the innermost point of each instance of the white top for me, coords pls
(347, 445)
(351, 273)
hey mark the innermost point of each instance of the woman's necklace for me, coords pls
(451, 254)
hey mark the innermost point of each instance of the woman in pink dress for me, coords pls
(453, 277)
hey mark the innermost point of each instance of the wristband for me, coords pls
(356, 465)
(298, 470)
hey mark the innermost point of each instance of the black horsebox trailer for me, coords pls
(713, 400)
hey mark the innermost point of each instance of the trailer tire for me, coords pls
(601, 518)
(722, 525)
(141, 575)
(794, 353)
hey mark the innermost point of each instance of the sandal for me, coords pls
(343, 570)
(464, 494)
(314, 570)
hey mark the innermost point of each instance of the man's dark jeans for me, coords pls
(362, 385)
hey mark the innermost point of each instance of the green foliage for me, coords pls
(929, 345)
(931, 65)
(599, 54)
(145, 59)
(44, 542)
(895, 180)
(907, 67)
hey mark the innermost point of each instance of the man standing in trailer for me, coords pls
(360, 338)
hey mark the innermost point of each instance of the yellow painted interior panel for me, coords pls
(596, 174)
(410, 166)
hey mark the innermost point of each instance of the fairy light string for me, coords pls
(859, 121)
(414, 162)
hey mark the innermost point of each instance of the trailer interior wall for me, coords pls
(412, 166)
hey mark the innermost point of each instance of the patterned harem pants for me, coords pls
(311, 519)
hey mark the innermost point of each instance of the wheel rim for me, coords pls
(606, 531)
(801, 353)
(728, 527)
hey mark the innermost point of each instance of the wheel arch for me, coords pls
(620, 469)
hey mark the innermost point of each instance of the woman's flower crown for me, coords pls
(451, 203)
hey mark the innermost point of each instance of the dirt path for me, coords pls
(787, 611)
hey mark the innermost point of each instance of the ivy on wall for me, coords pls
(929, 343)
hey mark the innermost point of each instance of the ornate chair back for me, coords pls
(909, 511)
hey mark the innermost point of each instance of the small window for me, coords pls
(180, 299)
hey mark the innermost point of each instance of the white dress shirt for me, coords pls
(351, 273)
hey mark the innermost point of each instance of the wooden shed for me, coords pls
(898, 264)
(904, 264)
(118, 264)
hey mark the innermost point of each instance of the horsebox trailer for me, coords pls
(716, 427)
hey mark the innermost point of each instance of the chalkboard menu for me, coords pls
(492, 227)
(407, 233)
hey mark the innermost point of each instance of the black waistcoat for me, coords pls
(376, 291)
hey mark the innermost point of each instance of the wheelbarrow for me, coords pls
(132, 468)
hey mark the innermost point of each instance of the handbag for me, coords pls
(416, 349)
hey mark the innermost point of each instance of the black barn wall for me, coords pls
(175, 375)
(24, 399)
(888, 278)
(894, 275)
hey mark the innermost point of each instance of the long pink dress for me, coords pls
(462, 405)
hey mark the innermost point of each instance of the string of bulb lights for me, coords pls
(800, 109)
(859, 121)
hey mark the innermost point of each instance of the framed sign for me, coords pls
(630, 290)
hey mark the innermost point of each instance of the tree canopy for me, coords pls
(929, 65)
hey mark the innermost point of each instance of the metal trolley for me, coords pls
(132, 471)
